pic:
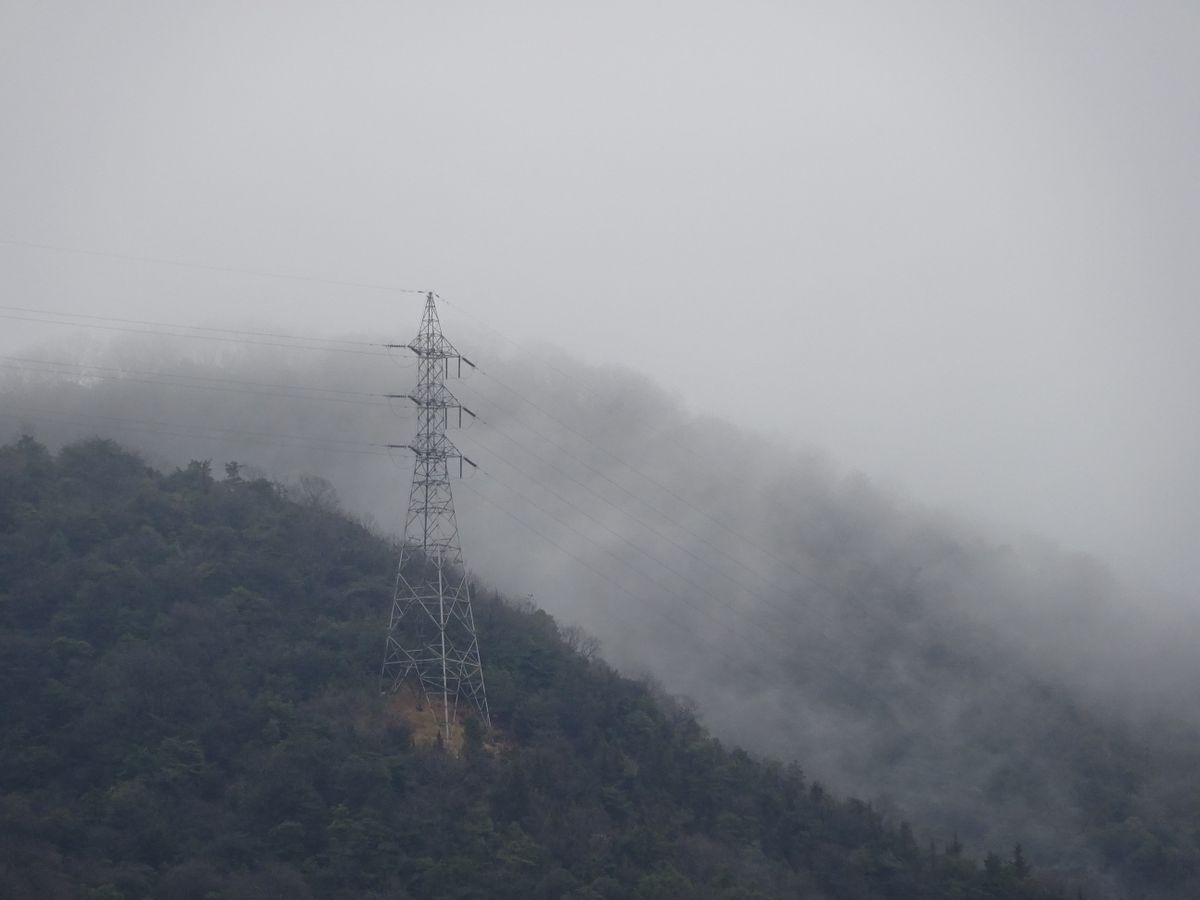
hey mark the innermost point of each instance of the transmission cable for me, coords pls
(229, 385)
(722, 603)
(202, 337)
(189, 264)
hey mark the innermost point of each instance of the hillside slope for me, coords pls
(999, 692)
(190, 712)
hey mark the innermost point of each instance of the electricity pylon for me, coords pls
(431, 635)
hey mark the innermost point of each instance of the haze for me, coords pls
(952, 244)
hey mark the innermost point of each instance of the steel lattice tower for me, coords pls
(431, 631)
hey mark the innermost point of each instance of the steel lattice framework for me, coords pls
(431, 638)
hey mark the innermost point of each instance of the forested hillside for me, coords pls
(1001, 692)
(190, 711)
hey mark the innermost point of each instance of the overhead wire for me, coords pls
(454, 304)
(605, 611)
(685, 446)
(156, 324)
(740, 537)
(69, 371)
(757, 573)
(647, 526)
(212, 267)
(238, 385)
(659, 585)
(389, 288)
(204, 337)
(691, 553)
(223, 339)
(721, 602)
(804, 577)
(158, 427)
(150, 426)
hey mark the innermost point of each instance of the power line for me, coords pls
(68, 371)
(772, 636)
(543, 362)
(577, 380)
(150, 426)
(545, 486)
(761, 575)
(316, 279)
(740, 537)
(758, 574)
(189, 264)
(395, 289)
(603, 610)
(144, 426)
(542, 484)
(205, 337)
(270, 334)
(240, 387)
(346, 283)
(622, 511)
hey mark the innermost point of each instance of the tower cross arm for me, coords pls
(434, 348)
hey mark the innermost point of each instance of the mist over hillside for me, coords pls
(875, 432)
(994, 687)
(192, 713)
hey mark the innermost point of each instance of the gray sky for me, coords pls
(954, 244)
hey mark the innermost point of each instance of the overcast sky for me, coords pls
(954, 244)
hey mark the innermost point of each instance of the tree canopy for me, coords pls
(191, 712)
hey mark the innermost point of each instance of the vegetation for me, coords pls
(190, 711)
